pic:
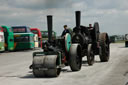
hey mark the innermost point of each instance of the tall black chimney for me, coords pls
(49, 25)
(78, 15)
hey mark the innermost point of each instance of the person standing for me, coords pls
(65, 31)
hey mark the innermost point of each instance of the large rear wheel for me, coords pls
(95, 32)
(104, 47)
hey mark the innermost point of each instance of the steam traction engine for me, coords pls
(92, 42)
(69, 50)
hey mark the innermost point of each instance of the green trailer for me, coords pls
(23, 41)
(9, 38)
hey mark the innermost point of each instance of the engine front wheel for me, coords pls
(75, 59)
(90, 55)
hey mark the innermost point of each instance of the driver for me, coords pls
(65, 31)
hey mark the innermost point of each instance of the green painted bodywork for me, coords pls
(23, 41)
(2, 46)
(68, 42)
(9, 38)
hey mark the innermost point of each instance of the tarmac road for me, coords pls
(14, 70)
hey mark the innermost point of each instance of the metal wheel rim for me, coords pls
(91, 58)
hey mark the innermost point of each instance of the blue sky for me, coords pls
(112, 15)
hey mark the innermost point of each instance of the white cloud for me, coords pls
(111, 14)
(79, 6)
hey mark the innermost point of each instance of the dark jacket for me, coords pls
(64, 32)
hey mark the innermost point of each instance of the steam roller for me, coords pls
(57, 53)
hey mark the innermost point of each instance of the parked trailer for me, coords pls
(2, 48)
(23, 41)
(21, 29)
(23, 38)
(9, 38)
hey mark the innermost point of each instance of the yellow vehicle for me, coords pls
(36, 42)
